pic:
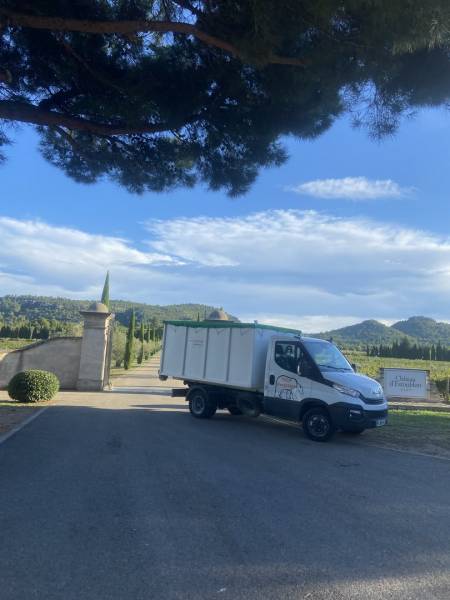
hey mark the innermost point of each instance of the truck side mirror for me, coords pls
(354, 367)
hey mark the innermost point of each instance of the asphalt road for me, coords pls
(128, 497)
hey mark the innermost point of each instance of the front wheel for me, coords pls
(317, 424)
(200, 405)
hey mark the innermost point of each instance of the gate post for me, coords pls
(93, 373)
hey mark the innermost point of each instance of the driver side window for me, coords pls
(288, 356)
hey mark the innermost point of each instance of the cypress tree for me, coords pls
(147, 334)
(105, 293)
(129, 347)
(142, 338)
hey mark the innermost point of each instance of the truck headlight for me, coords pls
(346, 390)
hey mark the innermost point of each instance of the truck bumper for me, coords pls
(351, 416)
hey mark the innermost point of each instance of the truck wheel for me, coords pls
(234, 410)
(317, 424)
(200, 405)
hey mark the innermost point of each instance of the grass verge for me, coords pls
(414, 430)
(13, 413)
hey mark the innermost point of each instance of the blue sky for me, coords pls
(349, 228)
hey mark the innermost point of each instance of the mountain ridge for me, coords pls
(424, 329)
(14, 308)
(416, 329)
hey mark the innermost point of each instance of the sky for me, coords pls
(348, 229)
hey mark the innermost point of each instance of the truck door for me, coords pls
(285, 387)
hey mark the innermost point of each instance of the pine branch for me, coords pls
(133, 27)
(28, 113)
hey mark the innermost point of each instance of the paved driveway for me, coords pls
(125, 496)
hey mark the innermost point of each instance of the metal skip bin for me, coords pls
(230, 354)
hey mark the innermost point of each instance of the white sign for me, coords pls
(405, 383)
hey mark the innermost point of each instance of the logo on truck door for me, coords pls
(288, 388)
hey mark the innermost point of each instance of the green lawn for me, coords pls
(12, 344)
(414, 430)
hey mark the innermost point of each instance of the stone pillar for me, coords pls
(94, 348)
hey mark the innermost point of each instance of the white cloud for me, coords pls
(351, 188)
(306, 323)
(293, 262)
(39, 257)
(303, 269)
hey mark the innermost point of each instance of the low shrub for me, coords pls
(33, 386)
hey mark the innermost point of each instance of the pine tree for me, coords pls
(129, 348)
(107, 106)
(105, 293)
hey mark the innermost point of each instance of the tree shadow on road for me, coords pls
(149, 502)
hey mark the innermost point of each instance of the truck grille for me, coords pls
(372, 400)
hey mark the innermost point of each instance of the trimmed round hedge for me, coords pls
(33, 385)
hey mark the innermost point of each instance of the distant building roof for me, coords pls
(218, 315)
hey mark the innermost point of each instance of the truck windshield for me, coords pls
(326, 356)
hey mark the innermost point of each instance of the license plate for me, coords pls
(380, 422)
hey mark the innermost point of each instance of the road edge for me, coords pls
(6, 436)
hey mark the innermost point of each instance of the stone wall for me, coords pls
(61, 356)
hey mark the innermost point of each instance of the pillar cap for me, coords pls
(97, 308)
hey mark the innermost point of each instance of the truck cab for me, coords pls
(310, 380)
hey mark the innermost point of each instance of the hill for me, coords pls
(417, 329)
(425, 329)
(366, 332)
(31, 308)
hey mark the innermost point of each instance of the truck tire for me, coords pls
(317, 424)
(200, 404)
(234, 410)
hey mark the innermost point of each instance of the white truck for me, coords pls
(251, 369)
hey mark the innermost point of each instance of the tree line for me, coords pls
(149, 336)
(406, 349)
(41, 329)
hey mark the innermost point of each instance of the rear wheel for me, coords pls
(200, 404)
(234, 410)
(317, 424)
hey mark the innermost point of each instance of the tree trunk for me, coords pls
(27, 113)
